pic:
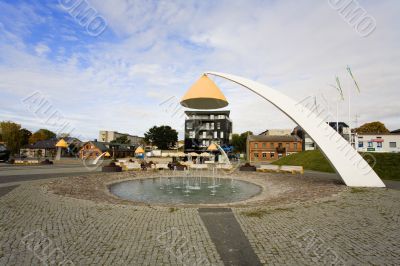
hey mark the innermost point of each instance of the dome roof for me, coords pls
(204, 94)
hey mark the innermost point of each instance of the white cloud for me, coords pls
(297, 48)
(42, 49)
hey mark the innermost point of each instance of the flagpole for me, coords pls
(337, 116)
(350, 118)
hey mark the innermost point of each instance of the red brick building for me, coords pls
(267, 148)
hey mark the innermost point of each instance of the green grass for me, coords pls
(310, 160)
(358, 190)
(387, 165)
(261, 212)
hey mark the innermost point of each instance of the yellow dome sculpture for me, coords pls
(204, 94)
(212, 147)
(62, 144)
(107, 154)
(139, 150)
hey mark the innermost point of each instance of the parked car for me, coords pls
(4, 153)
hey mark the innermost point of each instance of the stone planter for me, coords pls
(247, 167)
(111, 168)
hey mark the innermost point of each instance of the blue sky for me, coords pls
(151, 51)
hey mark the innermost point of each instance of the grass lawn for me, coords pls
(387, 164)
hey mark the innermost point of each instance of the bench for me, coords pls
(268, 168)
(292, 169)
(199, 166)
(162, 166)
(131, 166)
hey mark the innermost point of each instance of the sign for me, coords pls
(377, 140)
(370, 149)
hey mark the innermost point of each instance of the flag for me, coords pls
(351, 75)
(339, 88)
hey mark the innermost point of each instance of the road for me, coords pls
(13, 175)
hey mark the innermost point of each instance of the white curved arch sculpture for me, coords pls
(349, 164)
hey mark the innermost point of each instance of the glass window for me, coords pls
(264, 145)
(264, 155)
(221, 134)
(218, 125)
(215, 134)
(370, 144)
(360, 144)
(295, 146)
(256, 145)
(191, 135)
(189, 125)
(204, 134)
(272, 144)
(379, 144)
(287, 146)
(272, 154)
(392, 144)
(256, 154)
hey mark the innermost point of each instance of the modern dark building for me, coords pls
(205, 127)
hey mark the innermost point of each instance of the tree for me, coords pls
(41, 134)
(373, 127)
(25, 134)
(122, 140)
(239, 142)
(164, 137)
(11, 135)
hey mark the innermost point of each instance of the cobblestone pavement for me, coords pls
(38, 227)
(359, 227)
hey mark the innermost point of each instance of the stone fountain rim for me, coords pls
(260, 196)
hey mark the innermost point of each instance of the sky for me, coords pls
(124, 65)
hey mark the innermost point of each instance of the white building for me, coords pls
(370, 142)
(108, 136)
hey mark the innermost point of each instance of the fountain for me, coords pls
(193, 186)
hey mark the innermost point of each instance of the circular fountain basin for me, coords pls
(188, 190)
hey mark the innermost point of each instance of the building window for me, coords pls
(370, 144)
(256, 155)
(191, 135)
(264, 155)
(215, 134)
(295, 146)
(221, 134)
(264, 146)
(272, 154)
(255, 145)
(218, 125)
(189, 125)
(212, 126)
(272, 144)
(211, 116)
(392, 145)
(204, 134)
(287, 146)
(379, 144)
(361, 144)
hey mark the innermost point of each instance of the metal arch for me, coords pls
(349, 164)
